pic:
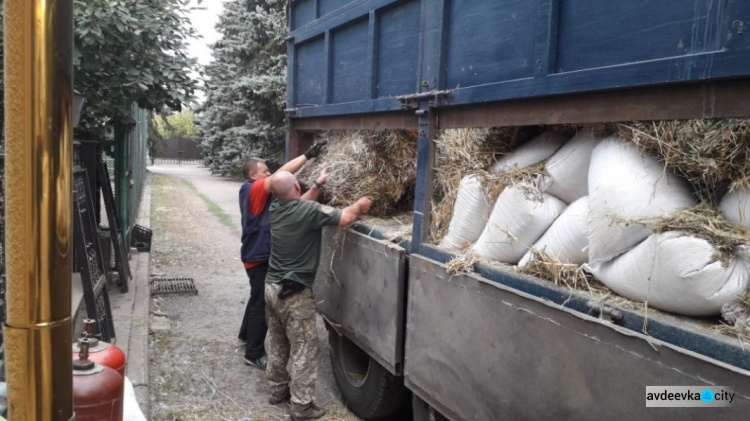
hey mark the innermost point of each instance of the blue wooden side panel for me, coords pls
(310, 72)
(327, 6)
(494, 50)
(600, 34)
(398, 50)
(349, 63)
(303, 12)
(489, 41)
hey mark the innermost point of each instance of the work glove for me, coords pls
(314, 150)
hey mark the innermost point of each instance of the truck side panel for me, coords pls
(360, 290)
(481, 351)
(491, 50)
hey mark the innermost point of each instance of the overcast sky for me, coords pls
(204, 21)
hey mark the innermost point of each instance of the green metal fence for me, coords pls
(131, 149)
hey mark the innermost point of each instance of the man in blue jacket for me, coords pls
(255, 200)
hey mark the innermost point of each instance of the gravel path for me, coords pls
(197, 370)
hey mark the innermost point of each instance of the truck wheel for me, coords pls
(369, 390)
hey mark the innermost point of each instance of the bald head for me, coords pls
(284, 186)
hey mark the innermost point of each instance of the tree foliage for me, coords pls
(177, 125)
(131, 51)
(128, 51)
(246, 85)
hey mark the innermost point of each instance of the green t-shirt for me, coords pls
(296, 231)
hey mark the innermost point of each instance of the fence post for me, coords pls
(121, 180)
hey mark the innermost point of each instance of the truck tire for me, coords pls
(369, 390)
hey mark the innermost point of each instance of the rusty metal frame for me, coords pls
(720, 99)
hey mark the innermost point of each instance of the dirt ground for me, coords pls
(196, 369)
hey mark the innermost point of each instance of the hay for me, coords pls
(542, 265)
(737, 317)
(460, 152)
(379, 164)
(704, 221)
(464, 262)
(712, 154)
(394, 228)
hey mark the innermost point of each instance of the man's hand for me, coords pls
(323, 176)
(315, 149)
(364, 204)
(350, 213)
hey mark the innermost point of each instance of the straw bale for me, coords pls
(711, 154)
(380, 164)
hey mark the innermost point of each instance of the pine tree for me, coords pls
(246, 86)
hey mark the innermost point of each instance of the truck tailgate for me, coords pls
(360, 291)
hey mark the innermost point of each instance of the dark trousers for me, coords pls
(254, 326)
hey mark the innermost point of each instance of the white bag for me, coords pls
(567, 238)
(534, 151)
(568, 168)
(520, 216)
(470, 214)
(626, 186)
(676, 273)
(735, 206)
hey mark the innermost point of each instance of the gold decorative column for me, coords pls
(38, 215)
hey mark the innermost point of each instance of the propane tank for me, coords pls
(97, 390)
(101, 352)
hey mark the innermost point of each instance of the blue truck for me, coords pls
(495, 344)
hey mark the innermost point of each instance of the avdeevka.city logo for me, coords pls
(688, 396)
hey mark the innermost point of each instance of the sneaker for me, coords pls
(259, 363)
(307, 412)
(279, 399)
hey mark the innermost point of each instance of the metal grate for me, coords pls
(106, 324)
(90, 235)
(182, 286)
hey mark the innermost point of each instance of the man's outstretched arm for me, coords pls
(350, 213)
(314, 192)
(295, 164)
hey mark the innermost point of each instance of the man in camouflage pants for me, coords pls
(296, 230)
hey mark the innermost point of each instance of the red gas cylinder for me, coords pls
(101, 352)
(97, 390)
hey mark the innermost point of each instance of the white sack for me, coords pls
(675, 273)
(567, 238)
(626, 185)
(131, 410)
(568, 168)
(535, 150)
(470, 215)
(735, 206)
(520, 216)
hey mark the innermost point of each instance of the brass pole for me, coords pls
(39, 148)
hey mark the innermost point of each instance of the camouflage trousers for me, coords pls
(292, 334)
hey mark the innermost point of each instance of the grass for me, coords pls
(160, 186)
(214, 208)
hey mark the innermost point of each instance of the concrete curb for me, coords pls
(138, 363)
(130, 311)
